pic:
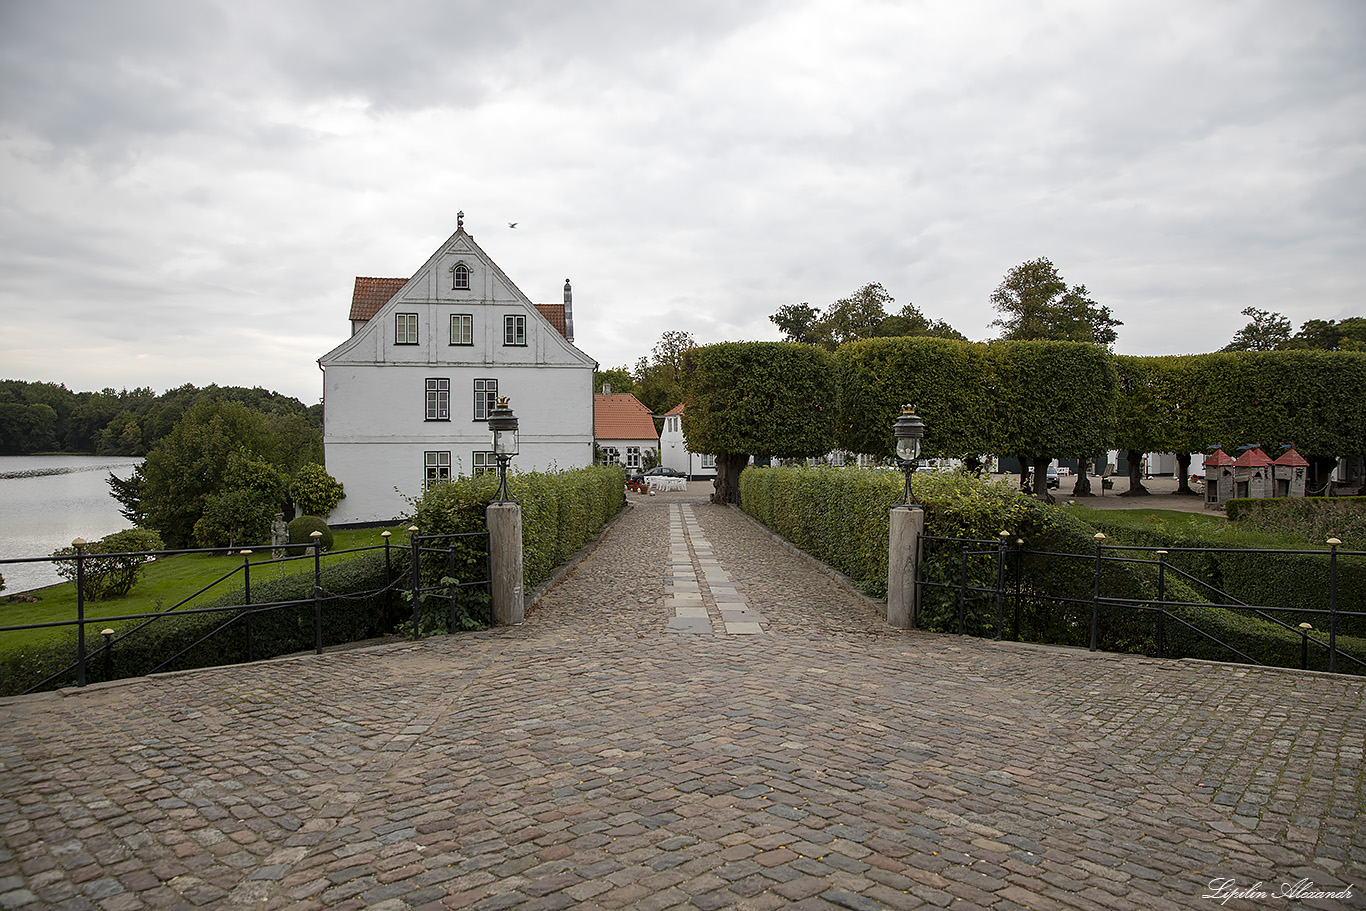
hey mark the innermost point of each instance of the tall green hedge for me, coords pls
(840, 516)
(561, 512)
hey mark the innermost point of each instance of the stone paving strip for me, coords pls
(584, 760)
(721, 607)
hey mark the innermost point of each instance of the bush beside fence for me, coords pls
(1227, 561)
(840, 516)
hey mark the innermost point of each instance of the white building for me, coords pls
(406, 398)
(674, 452)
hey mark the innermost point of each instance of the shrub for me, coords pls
(1309, 520)
(111, 564)
(314, 491)
(840, 517)
(301, 534)
(235, 518)
(561, 512)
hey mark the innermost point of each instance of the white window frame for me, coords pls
(460, 277)
(611, 455)
(484, 462)
(462, 328)
(632, 456)
(438, 399)
(708, 460)
(485, 397)
(405, 328)
(436, 467)
(514, 331)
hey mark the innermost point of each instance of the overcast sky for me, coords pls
(188, 189)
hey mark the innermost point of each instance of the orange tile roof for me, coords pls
(554, 313)
(371, 294)
(677, 409)
(621, 416)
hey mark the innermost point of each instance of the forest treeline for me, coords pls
(48, 417)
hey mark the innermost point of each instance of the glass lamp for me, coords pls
(503, 423)
(909, 430)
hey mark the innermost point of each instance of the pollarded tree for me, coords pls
(757, 398)
(1052, 399)
(948, 381)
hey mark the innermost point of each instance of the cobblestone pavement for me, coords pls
(593, 757)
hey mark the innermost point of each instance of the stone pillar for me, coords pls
(903, 555)
(505, 563)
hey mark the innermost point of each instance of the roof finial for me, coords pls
(460, 221)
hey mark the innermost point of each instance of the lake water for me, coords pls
(46, 502)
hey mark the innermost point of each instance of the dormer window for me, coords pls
(460, 277)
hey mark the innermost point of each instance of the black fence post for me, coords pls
(108, 635)
(453, 585)
(79, 544)
(1161, 604)
(1095, 594)
(1001, 582)
(1019, 561)
(417, 578)
(1304, 645)
(1333, 605)
(962, 586)
(246, 597)
(388, 580)
(317, 537)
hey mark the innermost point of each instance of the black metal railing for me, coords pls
(979, 578)
(249, 611)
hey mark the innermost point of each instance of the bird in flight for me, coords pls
(512, 224)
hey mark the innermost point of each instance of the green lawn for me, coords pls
(164, 583)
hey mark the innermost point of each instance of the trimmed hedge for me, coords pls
(840, 517)
(561, 512)
(1252, 575)
(346, 617)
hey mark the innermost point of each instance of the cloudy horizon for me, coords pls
(190, 190)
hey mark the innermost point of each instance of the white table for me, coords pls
(661, 482)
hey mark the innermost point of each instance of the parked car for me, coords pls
(660, 472)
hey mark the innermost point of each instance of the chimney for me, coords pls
(606, 388)
(568, 312)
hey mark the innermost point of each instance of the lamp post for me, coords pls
(909, 430)
(503, 423)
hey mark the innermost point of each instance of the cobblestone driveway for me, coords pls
(782, 747)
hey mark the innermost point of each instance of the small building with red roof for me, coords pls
(1218, 479)
(623, 430)
(1290, 473)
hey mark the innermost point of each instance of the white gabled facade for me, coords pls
(406, 397)
(674, 452)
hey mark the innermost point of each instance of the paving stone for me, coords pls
(587, 758)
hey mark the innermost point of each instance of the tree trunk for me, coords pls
(1136, 488)
(1041, 480)
(1083, 486)
(1183, 474)
(727, 483)
(1024, 474)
